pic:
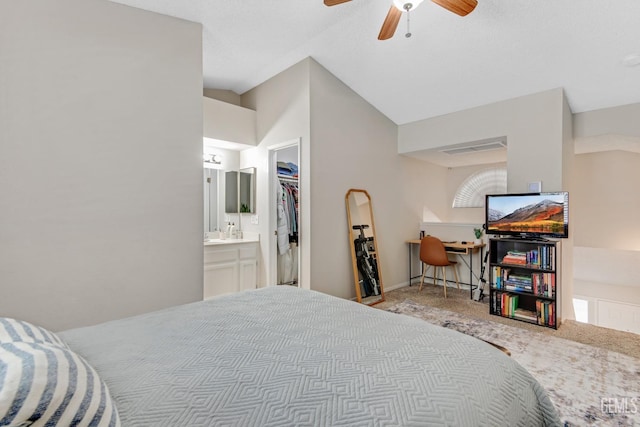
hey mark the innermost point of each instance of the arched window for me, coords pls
(471, 193)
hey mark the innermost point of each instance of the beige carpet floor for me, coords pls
(459, 301)
(577, 377)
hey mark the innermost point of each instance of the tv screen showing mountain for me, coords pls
(536, 214)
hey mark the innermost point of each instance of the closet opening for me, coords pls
(285, 206)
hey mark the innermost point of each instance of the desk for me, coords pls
(457, 248)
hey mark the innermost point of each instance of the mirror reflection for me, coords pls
(364, 248)
(221, 196)
(212, 213)
(240, 193)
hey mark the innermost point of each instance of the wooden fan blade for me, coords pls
(459, 7)
(390, 23)
(334, 2)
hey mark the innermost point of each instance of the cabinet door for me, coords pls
(248, 274)
(220, 279)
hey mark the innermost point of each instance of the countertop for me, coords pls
(247, 238)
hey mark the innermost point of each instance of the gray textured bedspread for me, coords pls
(283, 356)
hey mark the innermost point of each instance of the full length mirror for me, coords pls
(364, 248)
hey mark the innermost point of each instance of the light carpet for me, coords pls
(588, 385)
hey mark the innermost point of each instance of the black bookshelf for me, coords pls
(523, 278)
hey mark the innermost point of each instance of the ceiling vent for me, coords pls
(485, 146)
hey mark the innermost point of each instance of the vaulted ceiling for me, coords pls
(503, 49)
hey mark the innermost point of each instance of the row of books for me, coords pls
(542, 257)
(546, 312)
(515, 257)
(506, 305)
(542, 284)
(504, 278)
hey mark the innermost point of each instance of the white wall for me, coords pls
(566, 267)
(282, 109)
(228, 122)
(354, 146)
(606, 200)
(538, 132)
(621, 120)
(345, 143)
(100, 161)
(532, 125)
(607, 234)
(348, 136)
(222, 95)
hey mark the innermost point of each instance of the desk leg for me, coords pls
(470, 274)
(409, 263)
(471, 271)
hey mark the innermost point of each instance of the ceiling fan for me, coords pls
(459, 7)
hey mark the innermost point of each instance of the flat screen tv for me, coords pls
(528, 215)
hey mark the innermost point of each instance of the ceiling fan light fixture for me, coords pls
(460, 7)
(401, 5)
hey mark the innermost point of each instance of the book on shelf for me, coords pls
(514, 258)
(498, 303)
(548, 257)
(493, 303)
(524, 282)
(516, 282)
(518, 278)
(504, 279)
(516, 288)
(543, 257)
(521, 313)
(507, 304)
(544, 284)
(545, 312)
(497, 276)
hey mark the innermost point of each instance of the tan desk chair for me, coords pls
(432, 252)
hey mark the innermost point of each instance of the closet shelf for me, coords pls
(287, 178)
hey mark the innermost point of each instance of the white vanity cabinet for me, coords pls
(230, 266)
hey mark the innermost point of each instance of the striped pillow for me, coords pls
(12, 330)
(43, 384)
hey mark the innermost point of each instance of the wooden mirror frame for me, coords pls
(353, 234)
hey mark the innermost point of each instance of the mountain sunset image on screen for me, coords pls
(539, 214)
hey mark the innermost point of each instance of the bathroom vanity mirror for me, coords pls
(240, 191)
(364, 248)
(212, 192)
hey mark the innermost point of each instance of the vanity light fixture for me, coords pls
(215, 159)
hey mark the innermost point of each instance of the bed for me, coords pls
(283, 356)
